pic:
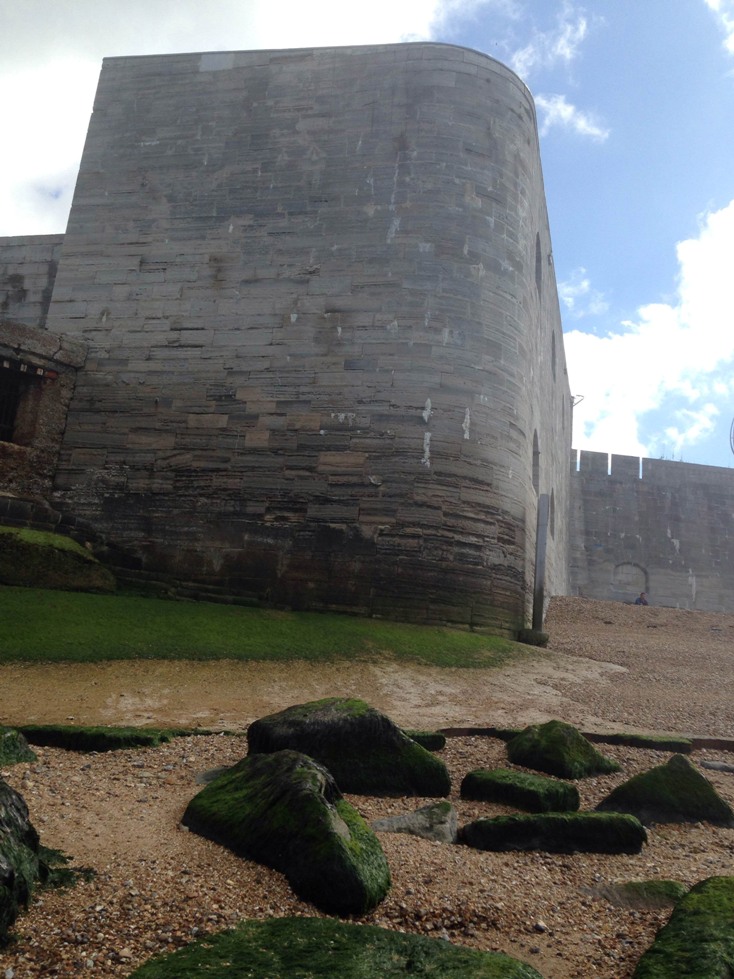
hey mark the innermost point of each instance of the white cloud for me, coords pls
(555, 111)
(548, 48)
(579, 298)
(48, 73)
(724, 10)
(676, 356)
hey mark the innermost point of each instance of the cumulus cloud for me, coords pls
(578, 297)
(49, 72)
(549, 48)
(676, 356)
(724, 11)
(557, 112)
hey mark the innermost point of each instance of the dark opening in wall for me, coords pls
(21, 385)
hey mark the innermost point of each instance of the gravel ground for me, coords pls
(156, 885)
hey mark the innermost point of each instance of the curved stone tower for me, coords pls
(325, 362)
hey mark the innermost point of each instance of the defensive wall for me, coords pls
(325, 365)
(652, 525)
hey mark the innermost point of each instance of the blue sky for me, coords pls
(635, 105)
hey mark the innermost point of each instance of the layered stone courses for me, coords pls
(317, 292)
(653, 525)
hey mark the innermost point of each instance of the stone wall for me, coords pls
(325, 360)
(666, 528)
(37, 368)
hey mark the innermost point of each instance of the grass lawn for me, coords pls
(46, 626)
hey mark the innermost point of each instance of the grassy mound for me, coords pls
(531, 792)
(290, 947)
(558, 749)
(698, 941)
(36, 558)
(55, 626)
(673, 793)
(557, 832)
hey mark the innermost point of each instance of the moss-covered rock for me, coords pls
(673, 793)
(91, 738)
(558, 749)
(535, 793)
(14, 747)
(698, 940)
(285, 810)
(557, 832)
(39, 559)
(20, 867)
(330, 950)
(430, 740)
(363, 749)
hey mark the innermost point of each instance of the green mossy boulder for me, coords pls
(14, 747)
(39, 559)
(363, 749)
(557, 832)
(20, 866)
(534, 793)
(558, 749)
(673, 793)
(285, 810)
(309, 947)
(698, 940)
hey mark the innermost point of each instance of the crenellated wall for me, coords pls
(325, 360)
(652, 525)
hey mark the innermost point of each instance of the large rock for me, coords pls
(330, 950)
(365, 752)
(20, 866)
(698, 940)
(673, 793)
(557, 832)
(44, 560)
(285, 810)
(558, 749)
(14, 747)
(535, 793)
(436, 821)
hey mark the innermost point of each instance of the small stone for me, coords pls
(541, 926)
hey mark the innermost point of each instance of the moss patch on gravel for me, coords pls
(557, 832)
(14, 747)
(283, 948)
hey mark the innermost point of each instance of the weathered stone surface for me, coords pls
(45, 560)
(437, 821)
(558, 749)
(652, 525)
(330, 950)
(555, 832)
(285, 810)
(19, 862)
(531, 792)
(315, 285)
(672, 793)
(698, 941)
(362, 748)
